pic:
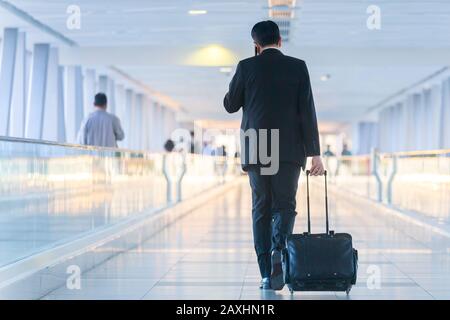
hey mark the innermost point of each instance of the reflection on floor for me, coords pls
(209, 255)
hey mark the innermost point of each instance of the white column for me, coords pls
(427, 109)
(163, 127)
(138, 119)
(129, 95)
(381, 126)
(61, 110)
(74, 101)
(120, 110)
(28, 65)
(133, 123)
(120, 101)
(445, 116)
(10, 37)
(366, 137)
(152, 125)
(103, 83)
(19, 101)
(355, 137)
(390, 130)
(400, 129)
(169, 123)
(37, 91)
(403, 126)
(50, 127)
(434, 119)
(419, 121)
(394, 127)
(143, 123)
(373, 140)
(147, 123)
(397, 133)
(112, 96)
(410, 137)
(156, 124)
(90, 89)
(383, 134)
(107, 86)
(172, 121)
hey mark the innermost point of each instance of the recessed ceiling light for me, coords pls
(325, 77)
(225, 69)
(197, 12)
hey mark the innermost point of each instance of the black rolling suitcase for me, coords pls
(320, 262)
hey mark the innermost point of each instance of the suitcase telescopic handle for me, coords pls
(308, 172)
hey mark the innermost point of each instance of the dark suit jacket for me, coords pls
(274, 91)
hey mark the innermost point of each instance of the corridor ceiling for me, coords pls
(188, 56)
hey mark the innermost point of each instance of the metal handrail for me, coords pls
(90, 148)
(417, 153)
(71, 145)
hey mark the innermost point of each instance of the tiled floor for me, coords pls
(209, 255)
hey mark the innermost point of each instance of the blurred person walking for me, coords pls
(346, 151)
(328, 152)
(100, 128)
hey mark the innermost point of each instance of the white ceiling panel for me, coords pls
(331, 35)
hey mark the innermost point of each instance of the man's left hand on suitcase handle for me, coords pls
(317, 168)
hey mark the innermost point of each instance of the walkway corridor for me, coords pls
(208, 254)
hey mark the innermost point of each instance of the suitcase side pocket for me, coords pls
(355, 264)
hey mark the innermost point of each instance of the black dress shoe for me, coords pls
(277, 275)
(265, 284)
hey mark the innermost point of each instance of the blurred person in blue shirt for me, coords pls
(100, 128)
(345, 150)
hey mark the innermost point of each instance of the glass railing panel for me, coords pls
(51, 194)
(421, 182)
(352, 173)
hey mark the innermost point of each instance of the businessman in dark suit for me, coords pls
(275, 94)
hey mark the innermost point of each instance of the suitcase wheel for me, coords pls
(348, 290)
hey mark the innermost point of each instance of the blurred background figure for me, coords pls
(328, 152)
(345, 150)
(101, 128)
(207, 149)
(169, 145)
(220, 151)
(192, 146)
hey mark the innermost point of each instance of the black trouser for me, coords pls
(273, 212)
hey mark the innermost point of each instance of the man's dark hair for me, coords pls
(169, 145)
(100, 100)
(266, 33)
